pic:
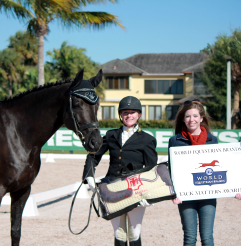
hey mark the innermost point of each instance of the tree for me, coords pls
(215, 75)
(67, 61)
(11, 72)
(27, 46)
(39, 13)
(18, 64)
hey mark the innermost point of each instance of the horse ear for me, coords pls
(78, 78)
(97, 79)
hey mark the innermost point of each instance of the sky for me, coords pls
(151, 26)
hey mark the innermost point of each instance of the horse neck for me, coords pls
(40, 112)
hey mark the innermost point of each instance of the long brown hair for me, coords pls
(179, 123)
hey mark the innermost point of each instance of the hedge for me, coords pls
(154, 124)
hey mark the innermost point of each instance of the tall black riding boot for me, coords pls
(120, 243)
(136, 243)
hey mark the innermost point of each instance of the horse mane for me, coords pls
(36, 88)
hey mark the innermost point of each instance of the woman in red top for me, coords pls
(192, 128)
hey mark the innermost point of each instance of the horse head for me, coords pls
(82, 114)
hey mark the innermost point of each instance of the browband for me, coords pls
(88, 94)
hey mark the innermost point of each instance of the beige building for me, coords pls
(160, 81)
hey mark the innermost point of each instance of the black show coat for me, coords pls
(139, 150)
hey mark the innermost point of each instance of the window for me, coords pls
(171, 112)
(150, 86)
(155, 112)
(198, 86)
(108, 113)
(117, 83)
(164, 86)
(143, 114)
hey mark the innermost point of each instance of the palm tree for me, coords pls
(39, 13)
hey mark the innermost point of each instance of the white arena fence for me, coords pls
(31, 209)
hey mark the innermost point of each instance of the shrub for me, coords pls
(156, 124)
(143, 123)
(217, 125)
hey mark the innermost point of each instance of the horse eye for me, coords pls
(76, 104)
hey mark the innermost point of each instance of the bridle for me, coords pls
(92, 98)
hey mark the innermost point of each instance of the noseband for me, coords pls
(90, 96)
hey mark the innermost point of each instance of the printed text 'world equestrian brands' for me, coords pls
(205, 151)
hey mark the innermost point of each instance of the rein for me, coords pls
(89, 95)
(91, 203)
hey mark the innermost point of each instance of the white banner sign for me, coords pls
(206, 171)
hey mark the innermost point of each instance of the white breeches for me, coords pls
(129, 225)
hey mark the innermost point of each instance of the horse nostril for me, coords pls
(92, 142)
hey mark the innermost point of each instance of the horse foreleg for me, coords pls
(19, 199)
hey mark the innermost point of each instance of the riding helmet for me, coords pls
(130, 103)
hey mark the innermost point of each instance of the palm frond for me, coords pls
(87, 2)
(96, 20)
(15, 9)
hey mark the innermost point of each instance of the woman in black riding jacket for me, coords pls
(128, 144)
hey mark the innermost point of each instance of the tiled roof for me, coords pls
(195, 68)
(162, 63)
(120, 67)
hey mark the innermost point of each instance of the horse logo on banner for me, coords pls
(209, 177)
(211, 164)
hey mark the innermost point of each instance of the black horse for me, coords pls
(28, 120)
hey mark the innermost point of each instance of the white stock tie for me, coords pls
(130, 132)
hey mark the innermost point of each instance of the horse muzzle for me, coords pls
(93, 141)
